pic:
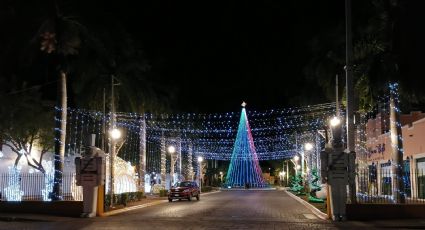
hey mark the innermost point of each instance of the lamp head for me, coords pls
(171, 149)
(200, 159)
(335, 121)
(115, 133)
(308, 146)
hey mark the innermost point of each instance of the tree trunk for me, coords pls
(60, 134)
(397, 147)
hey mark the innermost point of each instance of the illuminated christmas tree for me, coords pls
(314, 187)
(244, 169)
(296, 184)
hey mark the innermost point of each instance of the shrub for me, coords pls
(206, 189)
(163, 192)
(139, 195)
(124, 198)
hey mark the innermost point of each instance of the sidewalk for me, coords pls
(380, 224)
(150, 200)
(31, 217)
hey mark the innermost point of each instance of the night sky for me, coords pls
(214, 55)
(221, 54)
(218, 54)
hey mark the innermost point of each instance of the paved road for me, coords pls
(223, 210)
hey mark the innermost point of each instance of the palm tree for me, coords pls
(59, 38)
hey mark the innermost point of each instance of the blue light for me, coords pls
(244, 169)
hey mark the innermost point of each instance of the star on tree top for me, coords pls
(243, 104)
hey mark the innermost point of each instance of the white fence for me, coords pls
(37, 186)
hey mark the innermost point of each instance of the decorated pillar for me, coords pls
(189, 168)
(163, 160)
(142, 153)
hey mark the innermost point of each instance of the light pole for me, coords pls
(114, 134)
(171, 150)
(295, 162)
(282, 177)
(308, 147)
(200, 159)
(221, 177)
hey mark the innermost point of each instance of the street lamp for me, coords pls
(336, 131)
(221, 177)
(282, 177)
(115, 134)
(308, 146)
(335, 121)
(200, 159)
(171, 150)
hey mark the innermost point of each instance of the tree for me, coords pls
(378, 57)
(59, 37)
(26, 124)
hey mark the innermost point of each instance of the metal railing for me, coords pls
(376, 186)
(37, 187)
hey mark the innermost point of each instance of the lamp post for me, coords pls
(221, 177)
(200, 159)
(171, 150)
(295, 161)
(282, 177)
(308, 147)
(114, 134)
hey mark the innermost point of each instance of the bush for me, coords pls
(163, 192)
(206, 189)
(124, 198)
(139, 195)
(157, 188)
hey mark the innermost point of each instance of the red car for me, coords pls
(184, 190)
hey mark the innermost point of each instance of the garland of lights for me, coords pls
(214, 137)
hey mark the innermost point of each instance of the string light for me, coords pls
(244, 167)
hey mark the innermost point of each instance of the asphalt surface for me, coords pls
(222, 210)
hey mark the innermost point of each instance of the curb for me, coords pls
(313, 209)
(207, 193)
(250, 189)
(118, 211)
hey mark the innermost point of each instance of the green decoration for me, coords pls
(297, 184)
(314, 187)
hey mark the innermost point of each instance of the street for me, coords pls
(221, 210)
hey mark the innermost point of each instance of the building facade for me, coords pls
(379, 154)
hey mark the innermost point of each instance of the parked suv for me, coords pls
(184, 190)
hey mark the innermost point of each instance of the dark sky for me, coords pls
(220, 54)
(215, 54)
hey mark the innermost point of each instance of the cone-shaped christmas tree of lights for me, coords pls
(244, 169)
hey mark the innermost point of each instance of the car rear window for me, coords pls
(183, 184)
